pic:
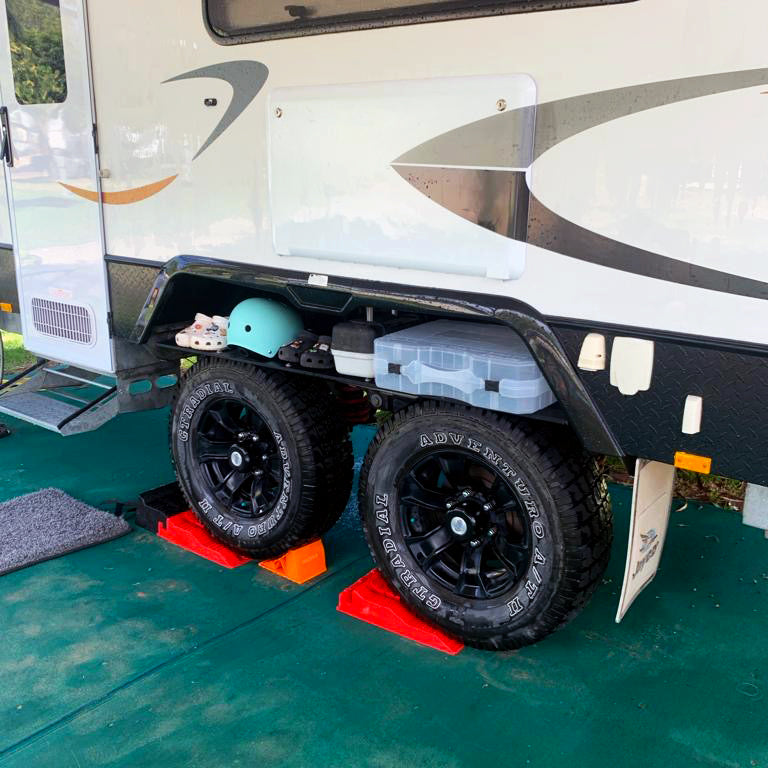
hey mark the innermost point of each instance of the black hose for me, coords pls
(4, 431)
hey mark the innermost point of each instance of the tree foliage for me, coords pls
(37, 51)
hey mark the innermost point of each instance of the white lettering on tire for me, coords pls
(403, 573)
(195, 399)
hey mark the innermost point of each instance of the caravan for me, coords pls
(533, 232)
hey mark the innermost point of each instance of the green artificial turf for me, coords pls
(136, 653)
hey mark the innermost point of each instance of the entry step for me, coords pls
(49, 412)
(64, 400)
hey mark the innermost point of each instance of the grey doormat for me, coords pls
(50, 523)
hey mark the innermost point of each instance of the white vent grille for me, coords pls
(64, 321)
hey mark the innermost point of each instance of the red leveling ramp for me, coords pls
(372, 600)
(299, 565)
(186, 531)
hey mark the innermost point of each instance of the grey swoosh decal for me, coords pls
(493, 199)
(246, 78)
(499, 141)
(502, 141)
(557, 121)
(505, 139)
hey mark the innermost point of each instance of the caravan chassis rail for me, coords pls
(553, 414)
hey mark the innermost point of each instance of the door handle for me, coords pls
(6, 150)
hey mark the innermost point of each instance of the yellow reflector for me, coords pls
(693, 462)
(5, 307)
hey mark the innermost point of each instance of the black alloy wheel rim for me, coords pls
(239, 458)
(464, 523)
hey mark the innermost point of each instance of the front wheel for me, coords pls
(495, 530)
(260, 457)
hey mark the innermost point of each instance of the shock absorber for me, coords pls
(355, 406)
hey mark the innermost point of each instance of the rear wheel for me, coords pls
(256, 457)
(495, 530)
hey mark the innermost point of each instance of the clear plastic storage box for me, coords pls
(484, 365)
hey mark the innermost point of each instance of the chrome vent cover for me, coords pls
(72, 322)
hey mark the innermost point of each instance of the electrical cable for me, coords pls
(4, 431)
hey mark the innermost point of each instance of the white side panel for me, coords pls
(655, 190)
(335, 194)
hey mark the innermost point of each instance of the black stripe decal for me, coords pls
(548, 230)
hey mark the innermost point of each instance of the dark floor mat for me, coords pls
(49, 523)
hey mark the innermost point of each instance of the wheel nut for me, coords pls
(487, 507)
(466, 493)
(474, 543)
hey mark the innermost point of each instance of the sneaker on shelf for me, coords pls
(214, 336)
(318, 355)
(184, 338)
(291, 353)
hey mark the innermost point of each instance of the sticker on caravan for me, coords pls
(62, 294)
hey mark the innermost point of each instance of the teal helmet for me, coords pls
(263, 326)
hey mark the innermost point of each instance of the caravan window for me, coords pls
(233, 21)
(37, 51)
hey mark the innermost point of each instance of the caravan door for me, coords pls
(50, 156)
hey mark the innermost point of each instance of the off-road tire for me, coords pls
(567, 511)
(315, 455)
(337, 457)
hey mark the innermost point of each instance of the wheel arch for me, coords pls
(215, 286)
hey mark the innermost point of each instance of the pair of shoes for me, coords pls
(308, 350)
(205, 333)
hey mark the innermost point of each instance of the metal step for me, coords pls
(64, 400)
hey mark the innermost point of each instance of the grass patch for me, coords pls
(16, 357)
(721, 491)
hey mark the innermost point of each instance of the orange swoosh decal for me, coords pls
(125, 196)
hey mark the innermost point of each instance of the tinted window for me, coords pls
(253, 19)
(37, 51)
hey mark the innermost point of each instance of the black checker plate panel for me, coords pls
(129, 285)
(733, 384)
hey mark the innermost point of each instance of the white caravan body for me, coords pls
(601, 164)
(318, 189)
